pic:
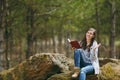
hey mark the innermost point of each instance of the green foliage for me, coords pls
(71, 15)
(59, 18)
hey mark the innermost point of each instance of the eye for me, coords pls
(91, 33)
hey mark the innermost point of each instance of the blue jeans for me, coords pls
(86, 68)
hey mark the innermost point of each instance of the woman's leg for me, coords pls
(77, 58)
(86, 70)
(76, 63)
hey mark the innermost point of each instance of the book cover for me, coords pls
(74, 43)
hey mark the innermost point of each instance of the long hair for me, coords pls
(84, 42)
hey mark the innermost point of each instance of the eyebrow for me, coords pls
(90, 32)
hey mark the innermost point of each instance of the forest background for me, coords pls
(28, 27)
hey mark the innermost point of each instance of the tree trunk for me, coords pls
(30, 36)
(54, 41)
(35, 46)
(46, 46)
(4, 26)
(29, 46)
(98, 22)
(7, 43)
(19, 51)
(2, 23)
(60, 36)
(68, 35)
(112, 30)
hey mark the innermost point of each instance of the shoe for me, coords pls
(75, 75)
(76, 72)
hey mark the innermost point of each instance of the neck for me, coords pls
(88, 42)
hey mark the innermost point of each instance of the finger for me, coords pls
(99, 44)
(73, 48)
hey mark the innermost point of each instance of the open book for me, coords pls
(74, 43)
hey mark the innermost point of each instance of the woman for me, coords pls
(86, 58)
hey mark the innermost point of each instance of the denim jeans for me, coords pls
(86, 68)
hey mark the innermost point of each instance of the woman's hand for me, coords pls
(73, 48)
(97, 46)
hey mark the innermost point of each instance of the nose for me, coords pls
(88, 33)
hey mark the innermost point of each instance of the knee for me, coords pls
(76, 51)
(83, 71)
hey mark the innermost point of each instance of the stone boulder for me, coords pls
(54, 66)
(38, 67)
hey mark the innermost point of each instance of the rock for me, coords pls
(67, 76)
(104, 61)
(53, 66)
(110, 71)
(61, 76)
(38, 67)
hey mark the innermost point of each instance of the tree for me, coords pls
(2, 23)
(98, 20)
(112, 30)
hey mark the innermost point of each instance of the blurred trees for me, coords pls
(28, 27)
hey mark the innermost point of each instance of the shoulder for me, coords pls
(94, 43)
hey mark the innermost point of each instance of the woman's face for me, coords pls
(90, 35)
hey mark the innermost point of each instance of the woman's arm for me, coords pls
(94, 51)
(97, 46)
